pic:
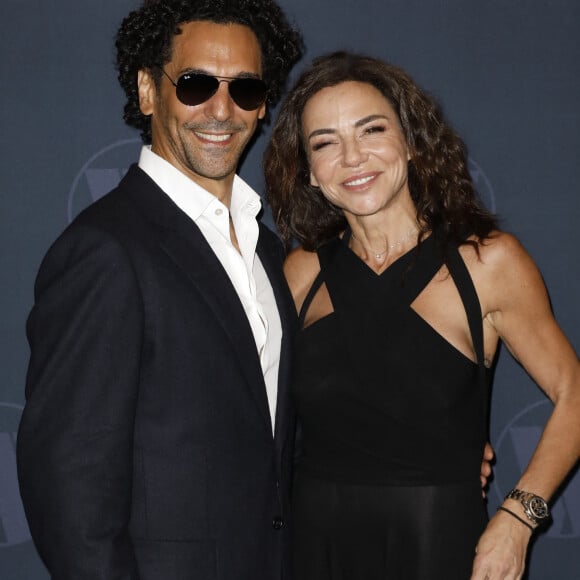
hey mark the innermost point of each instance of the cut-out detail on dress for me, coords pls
(317, 306)
(436, 303)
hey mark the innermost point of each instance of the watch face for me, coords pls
(539, 508)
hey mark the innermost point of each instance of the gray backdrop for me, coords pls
(507, 74)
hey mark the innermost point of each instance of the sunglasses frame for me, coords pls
(228, 80)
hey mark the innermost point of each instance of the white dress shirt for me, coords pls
(244, 270)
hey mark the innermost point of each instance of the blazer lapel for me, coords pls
(271, 257)
(182, 240)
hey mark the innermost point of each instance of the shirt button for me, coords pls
(219, 211)
(277, 523)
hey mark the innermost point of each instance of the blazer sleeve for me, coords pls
(75, 441)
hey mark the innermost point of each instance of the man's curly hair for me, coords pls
(439, 181)
(145, 42)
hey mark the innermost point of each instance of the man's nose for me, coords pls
(220, 106)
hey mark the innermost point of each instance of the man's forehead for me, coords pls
(205, 44)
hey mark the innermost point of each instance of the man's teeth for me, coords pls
(361, 180)
(215, 138)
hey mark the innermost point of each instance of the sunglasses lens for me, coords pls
(194, 89)
(249, 94)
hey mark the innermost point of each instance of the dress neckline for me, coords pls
(402, 260)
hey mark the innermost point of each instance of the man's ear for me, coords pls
(147, 91)
(262, 111)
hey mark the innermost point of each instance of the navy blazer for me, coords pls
(145, 449)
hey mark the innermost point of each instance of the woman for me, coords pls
(404, 287)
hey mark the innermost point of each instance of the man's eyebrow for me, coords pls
(359, 123)
(202, 71)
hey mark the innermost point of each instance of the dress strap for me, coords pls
(308, 300)
(325, 255)
(470, 300)
(468, 294)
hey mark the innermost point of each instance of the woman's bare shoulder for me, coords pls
(503, 272)
(500, 250)
(301, 268)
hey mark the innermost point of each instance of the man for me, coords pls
(156, 442)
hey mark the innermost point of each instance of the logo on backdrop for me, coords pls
(514, 449)
(101, 173)
(482, 185)
(13, 525)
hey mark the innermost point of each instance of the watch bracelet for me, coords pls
(525, 498)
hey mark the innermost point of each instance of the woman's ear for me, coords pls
(313, 180)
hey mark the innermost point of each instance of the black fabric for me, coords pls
(346, 531)
(145, 450)
(393, 423)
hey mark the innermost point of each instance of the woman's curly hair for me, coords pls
(145, 42)
(439, 181)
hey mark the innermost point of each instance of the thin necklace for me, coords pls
(398, 243)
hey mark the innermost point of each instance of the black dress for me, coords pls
(393, 425)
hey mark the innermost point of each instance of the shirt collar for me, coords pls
(189, 196)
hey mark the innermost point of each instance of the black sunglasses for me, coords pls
(192, 89)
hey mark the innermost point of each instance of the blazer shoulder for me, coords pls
(103, 227)
(135, 204)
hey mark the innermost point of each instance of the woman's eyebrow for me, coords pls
(359, 123)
